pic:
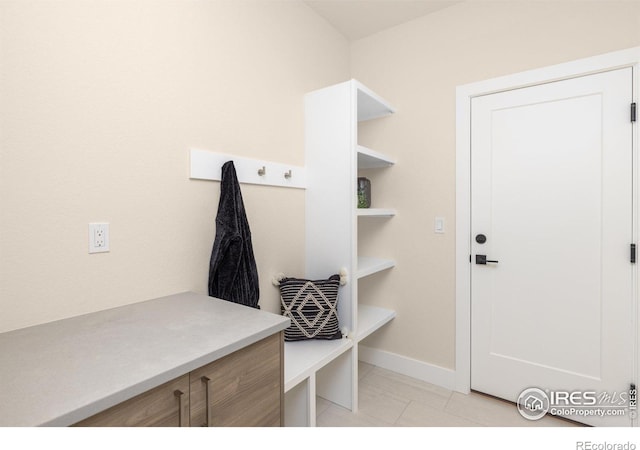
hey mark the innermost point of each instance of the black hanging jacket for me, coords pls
(233, 274)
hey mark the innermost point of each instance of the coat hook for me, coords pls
(262, 171)
(287, 175)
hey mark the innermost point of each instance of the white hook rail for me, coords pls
(206, 165)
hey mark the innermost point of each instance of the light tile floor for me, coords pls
(388, 399)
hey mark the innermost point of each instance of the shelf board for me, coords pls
(371, 318)
(302, 358)
(368, 266)
(375, 212)
(370, 159)
(370, 104)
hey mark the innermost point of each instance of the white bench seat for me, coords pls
(302, 360)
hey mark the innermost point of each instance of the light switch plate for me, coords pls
(439, 225)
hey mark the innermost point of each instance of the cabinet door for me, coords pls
(244, 388)
(165, 406)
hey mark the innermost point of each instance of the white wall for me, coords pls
(416, 67)
(99, 104)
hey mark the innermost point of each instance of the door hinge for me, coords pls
(633, 254)
(633, 112)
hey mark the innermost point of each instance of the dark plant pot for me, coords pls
(364, 192)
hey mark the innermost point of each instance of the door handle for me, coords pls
(207, 388)
(482, 259)
(178, 394)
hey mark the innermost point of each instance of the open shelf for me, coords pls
(375, 212)
(370, 104)
(303, 358)
(371, 318)
(370, 159)
(368, 266)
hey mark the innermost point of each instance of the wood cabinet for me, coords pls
(165, 406)
(244, 388)
(241, 389)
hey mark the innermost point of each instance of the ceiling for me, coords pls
(356, 19)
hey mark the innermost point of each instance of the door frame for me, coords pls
(464, 94)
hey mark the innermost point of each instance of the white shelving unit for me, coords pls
(333, 158)
(376, 212)
(371, 318)
(368, 265)
(370, 159)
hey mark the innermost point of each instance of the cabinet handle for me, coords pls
(207, 390)
(178, 393)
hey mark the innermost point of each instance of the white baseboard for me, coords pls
(404, 365)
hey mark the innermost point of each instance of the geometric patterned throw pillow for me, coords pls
(312, 307)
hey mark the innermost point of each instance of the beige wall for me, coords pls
(99, 104)
(416, 67)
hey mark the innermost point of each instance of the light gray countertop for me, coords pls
(59, 373)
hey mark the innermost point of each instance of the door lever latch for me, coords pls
(482, 259)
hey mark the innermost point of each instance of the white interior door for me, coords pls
(551, 169)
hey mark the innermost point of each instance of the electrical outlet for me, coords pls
(98, 237)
